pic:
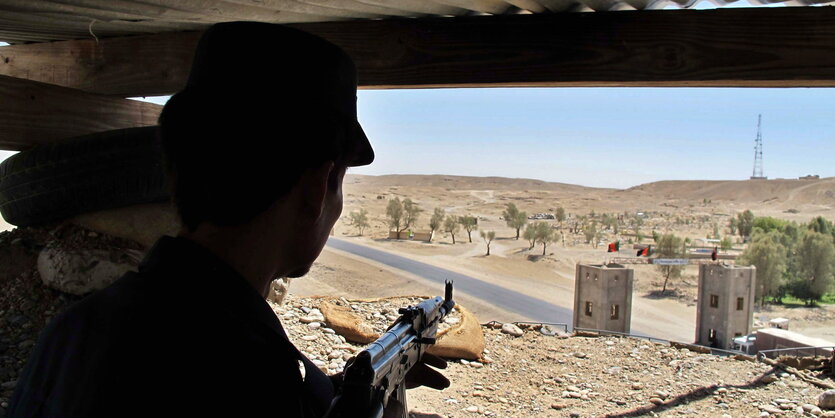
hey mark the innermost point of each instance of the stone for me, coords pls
(314, 325)
(828, 414)
(472, 409)
(310, 337)
(769, 378)
(558, 406)
(614, 370)
(661, 394)
(826, 400)
(83, 271)
(512, 329)
(771, 409)
(548, 330)
(637, 386)
(656, 401)
(580, 355)
(476, 365)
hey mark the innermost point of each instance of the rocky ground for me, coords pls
(538, 375)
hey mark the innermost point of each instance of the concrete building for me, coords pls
(603, 297)
(725, 308)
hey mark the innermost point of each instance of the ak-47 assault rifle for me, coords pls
(378, 373)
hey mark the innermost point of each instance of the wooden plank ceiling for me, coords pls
(24, 21)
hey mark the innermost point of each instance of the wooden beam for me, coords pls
(751, 47)
(32, 113)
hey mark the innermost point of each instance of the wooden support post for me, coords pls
(750, 47)
(32, 113)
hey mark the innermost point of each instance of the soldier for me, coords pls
(257, 145)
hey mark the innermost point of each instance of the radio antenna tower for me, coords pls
(758, 152)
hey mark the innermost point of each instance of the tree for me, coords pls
(560, 215)
(514, 218)
(451, 226)
(769, 257)
(732, 226)
(669, 246)
(767, 224)
(745, 224)
(470, 224)
(359, 220)
(816, 256)
(394, 213)
(543, 234)
(590, 232)
(821, 225)
(726, 244)
(488, 237)
(436, 222)
(412, 212)
(530, 235)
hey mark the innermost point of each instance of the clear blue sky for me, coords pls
(606, 137)
(609, 137)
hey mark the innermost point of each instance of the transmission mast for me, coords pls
(758, 152)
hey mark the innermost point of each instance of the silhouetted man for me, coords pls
(257, 145)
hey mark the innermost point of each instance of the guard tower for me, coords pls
(603, 297)
(726, 304)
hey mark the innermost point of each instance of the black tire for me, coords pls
(93, 172)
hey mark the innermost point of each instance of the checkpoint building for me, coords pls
(603, 297)
(725, 307)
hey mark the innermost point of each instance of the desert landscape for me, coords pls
(690, 209)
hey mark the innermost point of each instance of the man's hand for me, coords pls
(423, 375)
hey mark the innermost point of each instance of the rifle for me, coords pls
(378, 373)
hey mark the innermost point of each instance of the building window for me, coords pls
(595, 277)
(616, 277)
(740, 303)
(737, 334)
(615, 312)
(587, 276)
(588, 308)
(711, 335)
(714, 301)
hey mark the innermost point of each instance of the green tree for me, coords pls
(543, 234)
(816, 256)
(488, 237)
(514, 218)
(732, 226)
(394, 213)
(745, 224)
(726, 244)
(359, 220)
(590, 233)
(560, 215)
(436, 222)
(669, 246)
(470, 224)
(769, 257)
(412, 212)
(821, 225)
(451, 226)
(767, 224)
(530, 235)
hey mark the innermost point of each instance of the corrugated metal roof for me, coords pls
(53, 20)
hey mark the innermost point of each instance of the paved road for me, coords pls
(510, 300)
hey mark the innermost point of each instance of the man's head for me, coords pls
(264, 106)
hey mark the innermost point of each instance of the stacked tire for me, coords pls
(106, 170)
